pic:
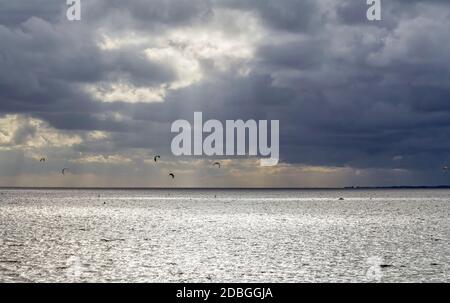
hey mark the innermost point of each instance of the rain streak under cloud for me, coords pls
(359, 103)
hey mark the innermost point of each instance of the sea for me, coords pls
(224, 235)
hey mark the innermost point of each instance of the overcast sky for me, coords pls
(359, 103)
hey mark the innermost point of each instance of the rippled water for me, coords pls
(224, 236)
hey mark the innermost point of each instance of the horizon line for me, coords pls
(228, 188)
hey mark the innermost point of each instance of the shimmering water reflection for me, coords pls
(224, 235)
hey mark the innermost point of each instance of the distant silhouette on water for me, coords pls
(156, 158)
(42, 160)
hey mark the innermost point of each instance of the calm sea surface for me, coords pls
(224, 236)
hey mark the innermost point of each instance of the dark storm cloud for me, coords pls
(347, 92)
(42, 68)
(290, 15)
(13, 13)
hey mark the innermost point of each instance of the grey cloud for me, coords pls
(347, 92)
(14, 13)
(289, 15)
